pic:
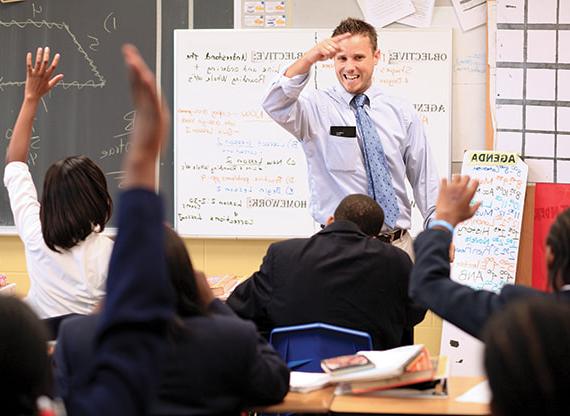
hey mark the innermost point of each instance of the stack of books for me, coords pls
(372, 371)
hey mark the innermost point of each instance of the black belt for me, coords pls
(391, 236)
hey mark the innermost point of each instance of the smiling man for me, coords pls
(356, 139)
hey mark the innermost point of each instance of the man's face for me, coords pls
(354, 64)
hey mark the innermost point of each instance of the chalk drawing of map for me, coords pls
(69, 42)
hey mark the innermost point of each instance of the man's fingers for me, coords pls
(340, 37)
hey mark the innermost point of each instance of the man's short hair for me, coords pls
(358, 27)
(363, 211)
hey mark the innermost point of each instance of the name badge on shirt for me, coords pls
(343, 131)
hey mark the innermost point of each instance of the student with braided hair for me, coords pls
(465, 307)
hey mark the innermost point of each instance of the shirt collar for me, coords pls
(347, 97)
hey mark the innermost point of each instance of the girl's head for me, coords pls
(558, 251)
(527, 348)
(181, 275)
(75, 202)
(24, 363)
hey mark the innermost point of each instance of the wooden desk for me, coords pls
(414, 406)
(318, 401)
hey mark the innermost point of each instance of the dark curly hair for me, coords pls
(363, 211)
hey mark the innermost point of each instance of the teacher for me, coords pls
(356, 139)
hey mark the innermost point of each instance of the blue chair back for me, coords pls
(304, 346)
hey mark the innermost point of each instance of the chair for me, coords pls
(304, 346)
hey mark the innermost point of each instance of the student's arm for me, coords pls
(39, 81)
(430, 283)
(17, 178)
(140, 303)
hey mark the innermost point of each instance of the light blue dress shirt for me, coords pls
(336, 164)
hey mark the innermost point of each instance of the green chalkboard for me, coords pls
(90, 112)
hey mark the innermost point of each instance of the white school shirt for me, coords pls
(336, 164)
(72, 281)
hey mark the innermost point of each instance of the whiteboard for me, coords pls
(239, 174)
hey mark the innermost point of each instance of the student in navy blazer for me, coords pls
(215, 362)
(467, 308)
(342, 275)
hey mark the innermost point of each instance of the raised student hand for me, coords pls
(454, 200)
(39, 80)
(151, 123)
(326, 49)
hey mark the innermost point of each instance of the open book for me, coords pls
(388, 365)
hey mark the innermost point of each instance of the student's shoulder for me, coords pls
(286, 245)
(389, 251)
(223, 327)
(16, 170)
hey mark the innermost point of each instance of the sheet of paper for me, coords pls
(509, 45)
(380, 13)
(541, 46)
(487, 245)
(563, 171)
(509, 83)
(478, 394)
(423, 15)
(510, 12)
(471, 13)
(540, 84)
(540, 118)
(304, 382)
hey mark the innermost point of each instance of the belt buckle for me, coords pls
(392, 236)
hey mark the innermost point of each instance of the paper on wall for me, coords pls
(380, 13)
(471, 13)
(423, 15)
